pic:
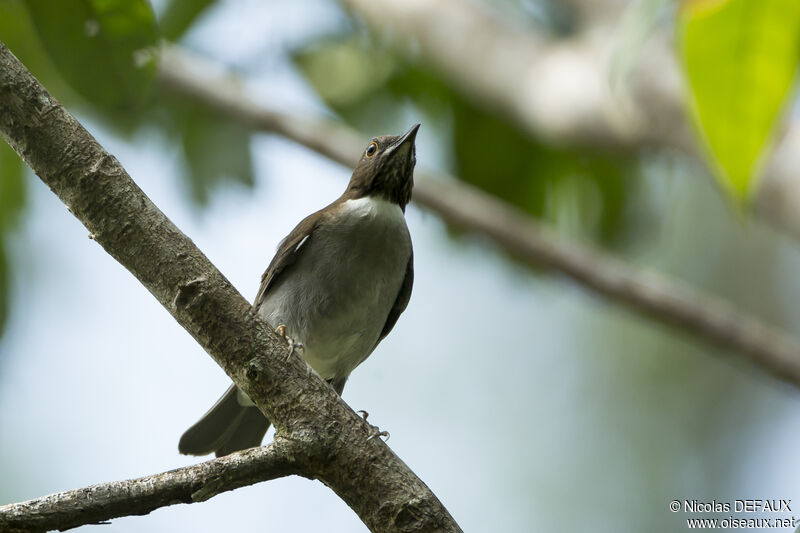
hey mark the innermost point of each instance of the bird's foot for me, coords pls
(376, 431)
(293, 344)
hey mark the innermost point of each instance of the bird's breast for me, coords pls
(336, 297)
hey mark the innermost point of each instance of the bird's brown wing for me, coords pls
(289, 250)
(401, 301)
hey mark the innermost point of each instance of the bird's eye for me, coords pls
(371, 149)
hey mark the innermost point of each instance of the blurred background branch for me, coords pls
(563, 90)
(189, 76)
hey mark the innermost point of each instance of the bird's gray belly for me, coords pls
(336, 299)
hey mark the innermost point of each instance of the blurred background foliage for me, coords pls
(367, 86)
(12, 198)
(99, 58)
(116, 38)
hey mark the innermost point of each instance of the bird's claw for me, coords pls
(293, 344)
(376, 432)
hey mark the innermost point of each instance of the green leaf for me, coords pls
(17, 32)
(216, 150)
(580, 192)
(12, 199)
(179, 16)
(343, 71)
(5, 296)
(740, 57)
(12, 190)
(105, 49)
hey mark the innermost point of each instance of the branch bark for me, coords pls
(192, 484)
(329, 440)
(664, 300)
(560, 90)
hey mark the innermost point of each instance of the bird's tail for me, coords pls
(227, 427)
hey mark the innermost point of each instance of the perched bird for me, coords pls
(336, 286)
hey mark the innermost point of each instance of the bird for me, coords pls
(334, 289)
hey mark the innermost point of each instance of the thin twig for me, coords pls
(191, 484)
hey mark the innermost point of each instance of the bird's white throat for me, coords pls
(369, 206)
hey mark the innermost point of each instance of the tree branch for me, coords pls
(192, 484)
(666, 301)
(560, 90)
(331, 441)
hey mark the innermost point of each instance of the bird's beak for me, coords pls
(405, 145)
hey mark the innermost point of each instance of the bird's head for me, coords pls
(386, 168)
